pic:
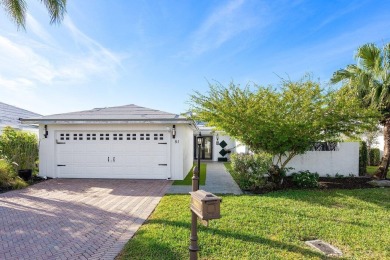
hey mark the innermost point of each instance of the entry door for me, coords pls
(206, 152)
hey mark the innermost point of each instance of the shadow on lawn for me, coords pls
(246, 238)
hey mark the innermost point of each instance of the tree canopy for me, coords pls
(282, 121)
(369, 80)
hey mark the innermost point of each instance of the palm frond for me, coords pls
(16, 9)
(369, 57)
(56, 9)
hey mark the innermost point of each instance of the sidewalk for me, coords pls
(218, 180)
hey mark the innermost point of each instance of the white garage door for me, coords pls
(127, 155)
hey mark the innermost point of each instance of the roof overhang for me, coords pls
(106, 121)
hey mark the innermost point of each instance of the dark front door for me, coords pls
(206, 152)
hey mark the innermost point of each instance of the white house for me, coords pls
(115, 142)
(10, 116)
(216, 145)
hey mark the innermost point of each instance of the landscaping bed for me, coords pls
(34, 180)
(325, 183)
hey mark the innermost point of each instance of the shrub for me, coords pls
(362, 158)
(305, 179)
(8, 177)
(19, 147)
(250, 169)
(374, 157)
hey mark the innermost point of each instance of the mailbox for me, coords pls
(205, 205)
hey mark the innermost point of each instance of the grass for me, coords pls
(188, 179)
(271, 226)
(371, 170)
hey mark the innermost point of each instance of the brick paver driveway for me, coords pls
(75, 218)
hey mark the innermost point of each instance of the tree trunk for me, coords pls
(384, 164)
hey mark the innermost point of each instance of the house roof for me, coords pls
(10, 116)
(120, 113)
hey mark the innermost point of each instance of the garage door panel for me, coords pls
(140, 172)
(113, 155)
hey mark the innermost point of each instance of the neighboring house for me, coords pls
(10, 116)
(129, 142)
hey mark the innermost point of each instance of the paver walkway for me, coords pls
(218, 180)
(75, 218)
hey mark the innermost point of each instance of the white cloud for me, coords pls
(222, 25)
(25, 62)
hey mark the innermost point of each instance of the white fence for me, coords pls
(344, 161)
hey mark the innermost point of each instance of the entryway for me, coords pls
(206, 152)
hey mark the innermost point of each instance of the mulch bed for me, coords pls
(34, 180)
(325, 183)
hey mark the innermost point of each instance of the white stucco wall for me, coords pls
(231, 144)
(345, 161)
(181, 159)
(186, 135)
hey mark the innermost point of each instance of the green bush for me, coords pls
(305, 179)
(363, 157)
(250, 169)
(8, 178)
(19, 147)
(375, 157)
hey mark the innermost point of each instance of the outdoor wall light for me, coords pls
(217, 142)
(173, 131)
(46, 132)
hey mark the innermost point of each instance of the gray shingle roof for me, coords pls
(10, 115)
(119, 113)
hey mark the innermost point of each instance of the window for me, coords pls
(147, 136)
(128, 136)
(141, 137)
(101, 136)
(134, 136)
(155, 137)
(161, 136)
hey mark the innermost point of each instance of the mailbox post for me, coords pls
(195, 186)
(204, 205)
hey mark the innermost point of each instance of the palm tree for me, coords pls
(16, 9)
(370, 79)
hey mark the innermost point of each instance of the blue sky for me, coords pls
(156, 53)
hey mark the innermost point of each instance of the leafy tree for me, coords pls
(284, 122)
(369, 79)
(16, 9)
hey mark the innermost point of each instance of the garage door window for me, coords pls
(77, 137)
(91, 137)
(117, 137)
(64, 136)
(111, 136)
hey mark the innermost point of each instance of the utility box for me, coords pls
(205, 205)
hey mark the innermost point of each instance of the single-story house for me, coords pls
(10, 116)
(129, 142)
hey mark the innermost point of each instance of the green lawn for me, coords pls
(371, 170)
(271, 226)
(188, 178)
